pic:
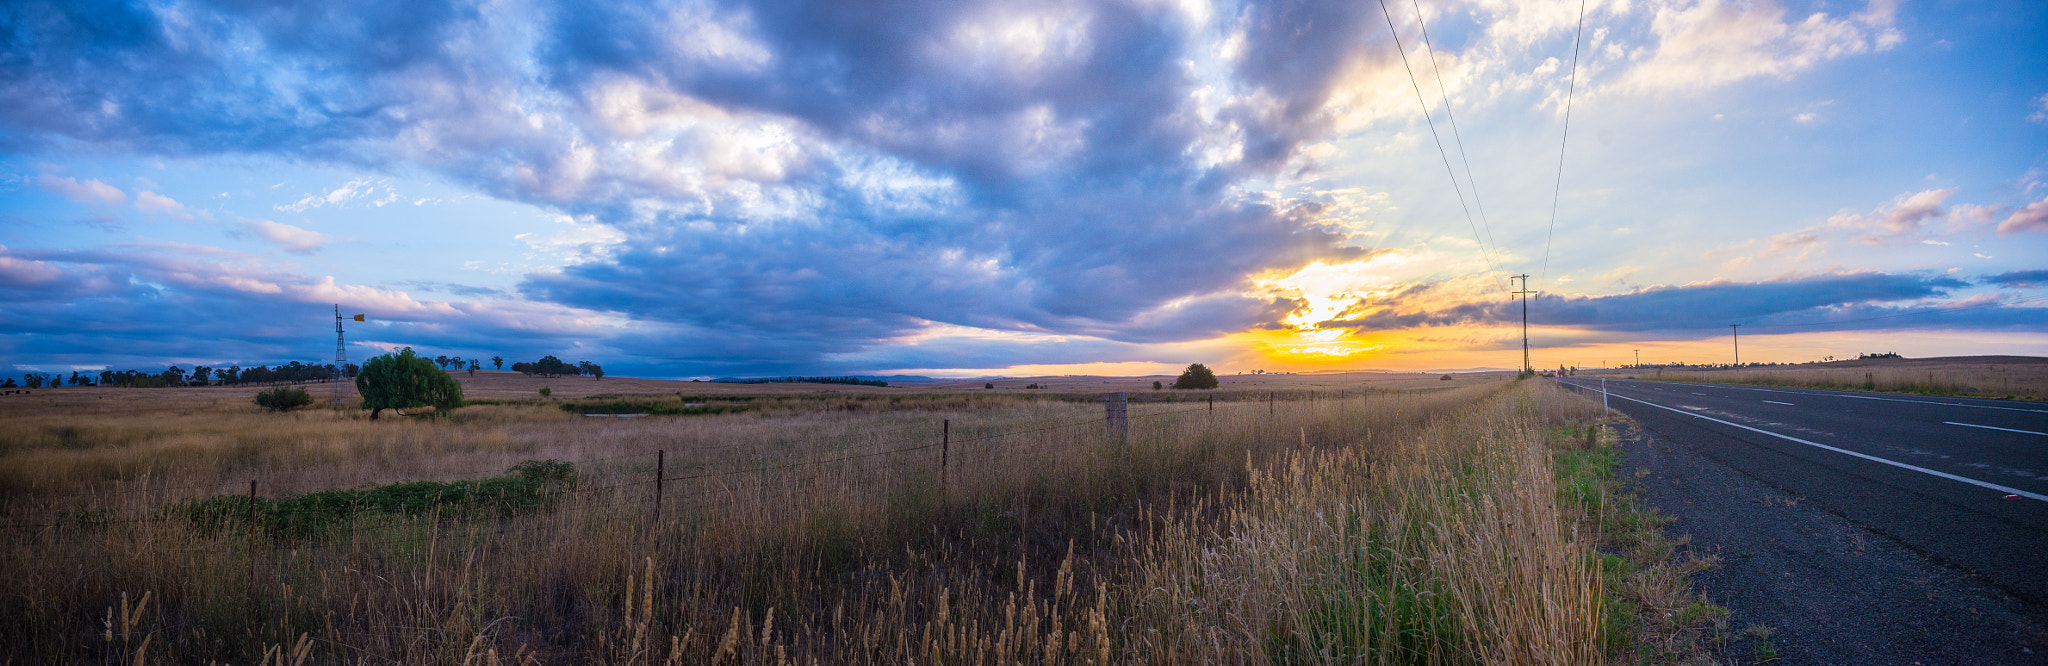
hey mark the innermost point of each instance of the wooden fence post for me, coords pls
(1116, 412)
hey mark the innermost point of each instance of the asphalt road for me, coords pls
(1866, 527)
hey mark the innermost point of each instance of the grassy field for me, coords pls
(2006, 377)
(1386, 519)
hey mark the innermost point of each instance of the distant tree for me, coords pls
(523, 368)
(441, 361)
(351, 370)
(591, 369)
(9, 383)
(1156, 385)
(546, 392)
(201, 373)
(474, 366)
(173, 375)
(1197, 376)
(498, 362)
(404, 381)
(1444, 378)
(989, 385)
(32, 380)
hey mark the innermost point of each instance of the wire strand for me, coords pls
(1440, 151)
(1557, 188)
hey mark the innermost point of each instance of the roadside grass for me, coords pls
(1473, 525)
(1654, 616)
(2012, 381)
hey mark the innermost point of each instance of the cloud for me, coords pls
(151, 202)
(91, 191)
(2033, 279)
(1902, 216)
(1713, 43)
(2040, 114)
(291, 238)
(2034, 217)
(1796, 301)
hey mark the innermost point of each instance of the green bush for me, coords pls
(281, 398)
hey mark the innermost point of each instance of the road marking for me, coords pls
(1986, 427)
(1787, 404)
(1865, 456)
(1838, 394)
(1699, 394)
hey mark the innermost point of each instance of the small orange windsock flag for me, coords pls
(359, 317)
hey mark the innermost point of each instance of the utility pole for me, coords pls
(1736, 330)
(1639, 357)
(1524, 294)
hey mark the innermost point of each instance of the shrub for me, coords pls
(281, 398)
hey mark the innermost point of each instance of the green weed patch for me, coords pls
(533, 485)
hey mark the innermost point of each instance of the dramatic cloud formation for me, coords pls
(817, 186)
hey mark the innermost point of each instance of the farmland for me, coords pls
(1354, 518)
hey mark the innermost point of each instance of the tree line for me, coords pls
(294, 372)
(549, 366)
(200, 375)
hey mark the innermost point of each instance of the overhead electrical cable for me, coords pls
(1440, 151)
(1558, 186)
(1444, 91)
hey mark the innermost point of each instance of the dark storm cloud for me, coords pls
(1840, 301)
(2019, 279)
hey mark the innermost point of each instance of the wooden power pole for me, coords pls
(1524, 293)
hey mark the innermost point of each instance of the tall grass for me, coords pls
(1373, 528)
(2007, 381)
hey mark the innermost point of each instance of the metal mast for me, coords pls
(340, 356)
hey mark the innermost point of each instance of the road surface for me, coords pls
(1823, 501)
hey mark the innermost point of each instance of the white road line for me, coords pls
(1699, 394)
(1865, 456)
(1986, 427)
(1837, 394)
(1774, 402)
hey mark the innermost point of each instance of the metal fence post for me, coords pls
(660, 465)
(252, 538)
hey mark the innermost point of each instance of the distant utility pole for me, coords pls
(1736, 330)
(1524, 294)
(1639, 357)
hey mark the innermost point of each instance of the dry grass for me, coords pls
(2007, 377)
(1374, 527)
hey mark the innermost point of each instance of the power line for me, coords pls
(1444, 92)
(1483, 251)
(1558, 187)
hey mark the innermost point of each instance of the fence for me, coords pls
(645, 479)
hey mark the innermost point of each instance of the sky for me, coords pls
(1005, 187)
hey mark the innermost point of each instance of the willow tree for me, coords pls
(406, 381)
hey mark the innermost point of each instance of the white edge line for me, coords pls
(1986, 427)
(1865, 456)
(1774, 402)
